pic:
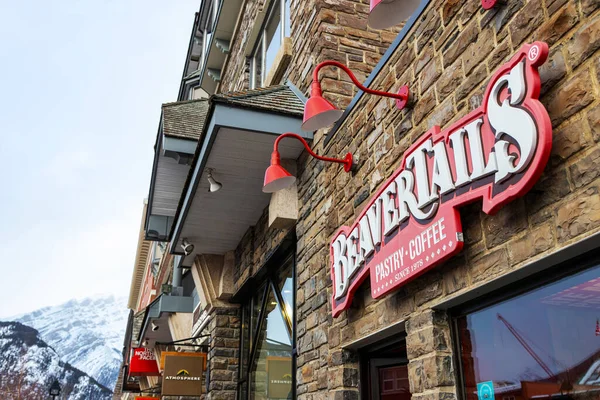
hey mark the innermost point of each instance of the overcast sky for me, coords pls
(81, 84)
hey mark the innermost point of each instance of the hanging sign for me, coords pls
(143, 363)
(182, 375)
(494, 154)
(279, 372)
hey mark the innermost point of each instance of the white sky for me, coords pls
(81, 84)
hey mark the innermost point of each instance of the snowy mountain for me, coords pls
(28, 366)
(87, 334)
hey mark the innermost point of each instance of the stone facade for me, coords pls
(223, 353)
(446, 59)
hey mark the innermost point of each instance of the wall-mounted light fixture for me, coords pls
(489, 4)
(187, 247)
(214, 185)
(387, 13)
(319, 113)
(277, 178)
(155, 327)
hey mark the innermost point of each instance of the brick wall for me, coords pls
(447, 60)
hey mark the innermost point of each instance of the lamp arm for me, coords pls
(347, 162)
(316, 87)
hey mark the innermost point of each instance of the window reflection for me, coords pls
(271, 372)
(286, 287)
(273, 37)
(542, 344)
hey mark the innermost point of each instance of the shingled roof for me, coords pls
(184, 119)
(279, 99)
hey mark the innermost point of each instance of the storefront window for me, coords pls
(267, 345)
(271, 374)
(542, 344)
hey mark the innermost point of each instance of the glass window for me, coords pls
(267, 347)
(269, 42)
(287, 19)
(257, 69)
(542, 344)
(273, 37)
(271, 373)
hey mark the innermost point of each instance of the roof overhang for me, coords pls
(155, 326)
(172, 159)
(141, 259)
(237, 145)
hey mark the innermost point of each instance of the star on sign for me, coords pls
(444, 247)
(438, 251)
(432, 254)
(450, 243)
(427, 258)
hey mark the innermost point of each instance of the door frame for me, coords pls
(369, 365)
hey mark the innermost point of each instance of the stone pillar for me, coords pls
(430, 367)
(223, 353)
(343, 375)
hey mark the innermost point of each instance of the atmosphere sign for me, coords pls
(494, 154)
(182, 375)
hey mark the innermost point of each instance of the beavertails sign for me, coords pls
(496, 153)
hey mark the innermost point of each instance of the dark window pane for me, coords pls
(393, 383)
(257, 66)
(271, 375)
(539, 344)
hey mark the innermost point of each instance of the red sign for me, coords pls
(494, 154)
(143, 363)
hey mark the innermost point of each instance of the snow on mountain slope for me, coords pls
(29, 366)
(87, 334)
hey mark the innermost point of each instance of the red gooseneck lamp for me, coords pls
(277, 178)
(387, 13)
(320, 113)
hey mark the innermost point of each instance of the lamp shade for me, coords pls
(319, 113)
(387, 13)
(277, 178)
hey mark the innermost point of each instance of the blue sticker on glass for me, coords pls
(485, 390)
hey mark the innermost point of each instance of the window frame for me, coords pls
(552, 274)
(261, 42)
(209, 28)
(269, 282)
